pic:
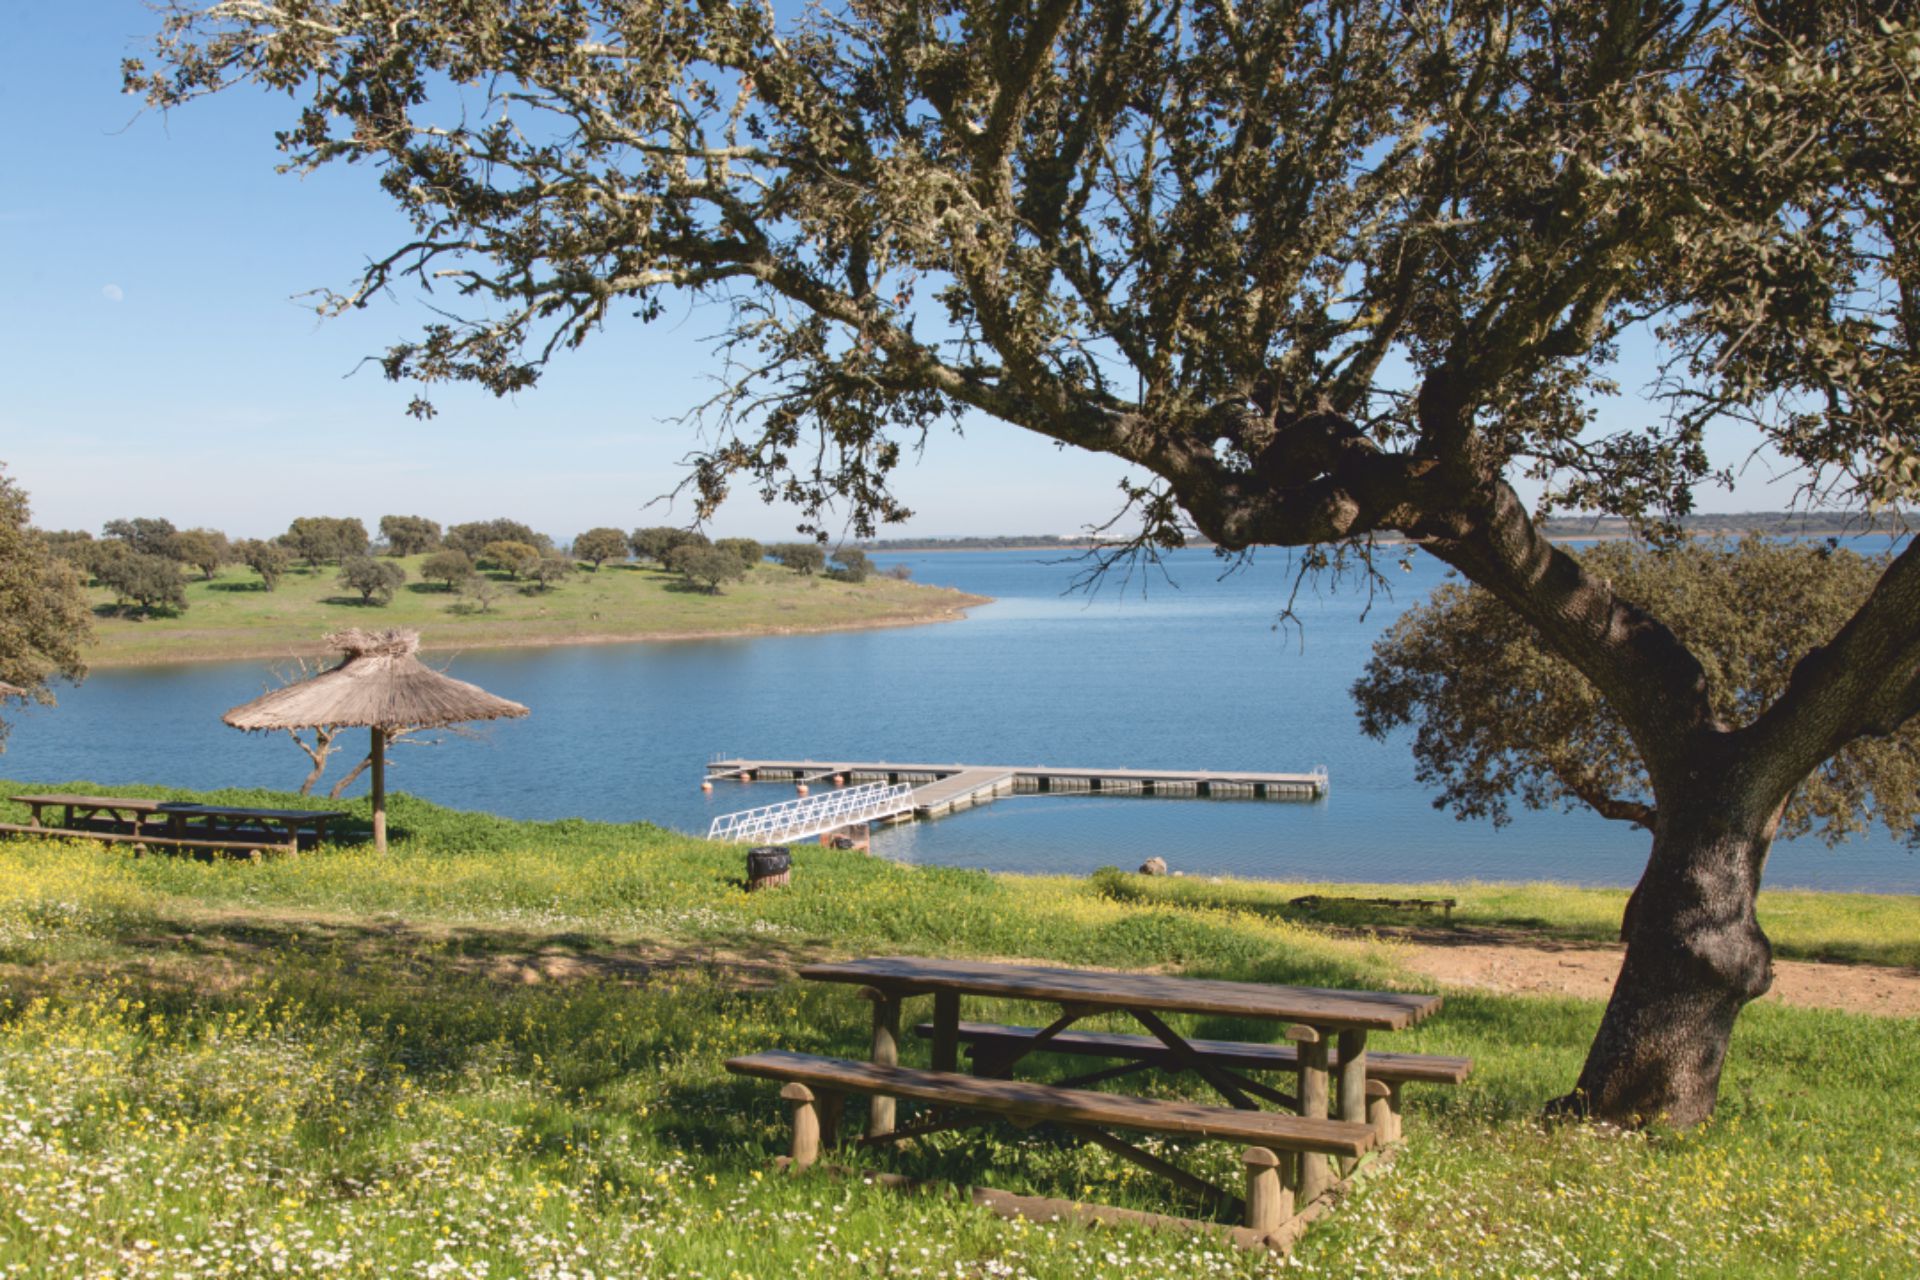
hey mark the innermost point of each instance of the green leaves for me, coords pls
(1497, 716)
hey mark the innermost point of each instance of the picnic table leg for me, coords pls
(1269, 1199)
(1314, 1174)
(946, 1030)
(806, 1125)
(886, 1053)
(1353, 1085)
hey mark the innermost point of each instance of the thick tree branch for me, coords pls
(1866, 681)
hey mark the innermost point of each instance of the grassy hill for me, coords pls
(233, 616)
(496, 1052)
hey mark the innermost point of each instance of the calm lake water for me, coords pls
(1193, 675)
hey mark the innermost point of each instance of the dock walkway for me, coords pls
(941, 789)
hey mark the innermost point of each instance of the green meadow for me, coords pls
(234, 616)
(496, 1051)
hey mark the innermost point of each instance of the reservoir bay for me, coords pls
(1194, 673)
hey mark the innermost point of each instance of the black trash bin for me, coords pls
(768, 864)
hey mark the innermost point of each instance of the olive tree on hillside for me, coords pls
(204, 549)
(319, 539)
(148, 535)
(375, 580)
(658, 542)
(511, 557)
(804, 558)
(448, 567)
(550, 570)
(409, 535)
(473, 537)
(596, 546)
(749, 551)
(44, 620)
(1319, 271)
(268, 559)
(705, 566)
(147, 581)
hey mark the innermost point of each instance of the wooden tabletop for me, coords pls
(1315, 1006)
(94, 802)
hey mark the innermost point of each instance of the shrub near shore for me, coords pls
(233, 616)
(496, 1052)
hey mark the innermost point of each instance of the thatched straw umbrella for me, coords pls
(381, 685)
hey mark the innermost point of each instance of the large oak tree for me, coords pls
(1321, 269)
(44, 618)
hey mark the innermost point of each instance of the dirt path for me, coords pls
(1526, 967)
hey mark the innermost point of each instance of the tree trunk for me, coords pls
(1695, 958)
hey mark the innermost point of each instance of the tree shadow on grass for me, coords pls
(236, 586)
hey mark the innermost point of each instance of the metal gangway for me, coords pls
(814, 815)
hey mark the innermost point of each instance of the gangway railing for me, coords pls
(814, 815)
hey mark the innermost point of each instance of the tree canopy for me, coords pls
(44, 620)
(596, 546)
(375, 580)
(1320, 270)
(268, 559)
(473, 537)
(318, 539)
(147, 581)
(409, 535)
(1498, 716)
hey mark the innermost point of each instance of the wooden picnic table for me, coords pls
(1315, 1018)
(175, 822)
(127, 812)
(309, 825)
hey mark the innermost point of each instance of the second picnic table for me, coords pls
(133, 818)
(1328, 1028)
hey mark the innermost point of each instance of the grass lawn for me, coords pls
(232, 616)
(495, 1051)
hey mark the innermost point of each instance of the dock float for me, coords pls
(941, 789)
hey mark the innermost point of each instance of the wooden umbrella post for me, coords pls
(379, 758)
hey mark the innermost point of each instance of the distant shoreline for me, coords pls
(950, 611)
(1554, 532)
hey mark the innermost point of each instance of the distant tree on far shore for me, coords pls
(204, 549)
(268, 559)
(149, 535)
(375, 580)
(447, 566)
(75, 546)
(660, 541)
(548, 570)
(850, 564)
(804, 558)
(705, 566)
(409, 535)
(319, 539)
(511, 557)
(479, 592)
(474, 536)
(597, 546)
(149, 581)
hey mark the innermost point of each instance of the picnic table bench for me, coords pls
(1288, 1150)
(173, 824)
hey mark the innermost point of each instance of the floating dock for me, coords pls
(941, 789)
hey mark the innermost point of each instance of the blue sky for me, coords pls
(158, 360)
